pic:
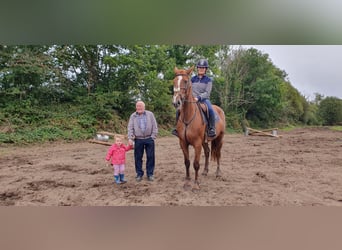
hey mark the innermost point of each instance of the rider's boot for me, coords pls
(211, 130)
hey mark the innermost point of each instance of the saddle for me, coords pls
(204, 112)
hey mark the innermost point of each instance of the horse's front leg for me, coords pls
(218, 171)
(187, 184)
(206, 156)
(185, 148)
(219, 144)
(197, 166)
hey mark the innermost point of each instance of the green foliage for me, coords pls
(28, 123)
(234, 121)
(330, 110)
(266, 108)
(251, 87)
(71, 91)
(42, 134)
(295, 107)
(310, 116)
(336, 128)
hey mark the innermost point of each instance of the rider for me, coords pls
(201, 89)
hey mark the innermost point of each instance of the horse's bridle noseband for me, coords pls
(186, 86)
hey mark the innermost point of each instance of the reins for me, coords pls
(186, 87)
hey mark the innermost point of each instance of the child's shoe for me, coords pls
(122, 178)
(117, 179)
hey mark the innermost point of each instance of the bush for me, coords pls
(235, 121)
(330, 110)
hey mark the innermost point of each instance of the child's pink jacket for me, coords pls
(118, 153)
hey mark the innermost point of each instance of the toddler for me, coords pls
(117, 154)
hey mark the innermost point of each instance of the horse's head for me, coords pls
(181, 86)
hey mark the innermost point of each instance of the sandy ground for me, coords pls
(303, 168)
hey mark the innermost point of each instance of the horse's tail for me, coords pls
(216, 146)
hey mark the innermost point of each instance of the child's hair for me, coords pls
(118, 136)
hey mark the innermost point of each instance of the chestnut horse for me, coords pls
(191, 127)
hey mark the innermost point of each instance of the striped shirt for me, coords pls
(137, 123)
(142, 122)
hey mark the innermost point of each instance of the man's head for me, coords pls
(140, 107)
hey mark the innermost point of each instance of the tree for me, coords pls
(85, 65)
(330, 110)
(140, 73)
(252, 87)
(27, 72)
(294, 104)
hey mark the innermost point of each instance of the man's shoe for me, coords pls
(138, 178)
(174, 132)
(150, 178)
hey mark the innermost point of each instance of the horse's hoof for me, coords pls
(219, 178)
(218, 174)
(205, 173)
(187, 185)
(196, 188)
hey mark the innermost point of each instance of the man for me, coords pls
(143, 129)
(201, 89)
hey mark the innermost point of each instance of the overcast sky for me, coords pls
(310, 68)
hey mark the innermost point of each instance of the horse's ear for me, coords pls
(175, 70)
(189, 71)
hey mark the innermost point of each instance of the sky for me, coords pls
(311, 68)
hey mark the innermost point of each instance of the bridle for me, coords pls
(187, 84)
(185, 88)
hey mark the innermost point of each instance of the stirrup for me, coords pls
(174, 132)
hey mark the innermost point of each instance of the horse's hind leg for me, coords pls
(197, 166)
(206, 156)
(218, 170)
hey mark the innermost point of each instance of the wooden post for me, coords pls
(252, 131)
(110, 134)
(100, 142)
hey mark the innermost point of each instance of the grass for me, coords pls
(336, 128)
(290, 128)
(72, 124)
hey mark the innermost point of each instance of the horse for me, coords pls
(191, 127)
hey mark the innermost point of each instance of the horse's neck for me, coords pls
(189, 106)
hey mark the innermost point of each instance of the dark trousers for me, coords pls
(141, 145)
(210, 108)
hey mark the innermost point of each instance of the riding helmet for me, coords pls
(203, 63)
